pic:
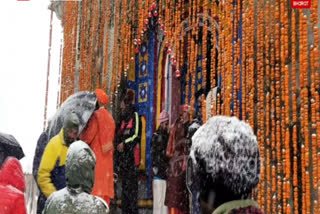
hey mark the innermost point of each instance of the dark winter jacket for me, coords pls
(194, 197)
(76, 198)
(239, 207)
(159, 158)
(12, 187)
(193, 127)
(128, 133)
(41, 145)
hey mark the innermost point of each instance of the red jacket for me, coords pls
(12, 187)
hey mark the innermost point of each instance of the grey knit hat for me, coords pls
(229, 150)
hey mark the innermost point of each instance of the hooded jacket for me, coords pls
(51, 174)
(76, 198)
(12, 187)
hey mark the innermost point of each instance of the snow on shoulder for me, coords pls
(76, 147)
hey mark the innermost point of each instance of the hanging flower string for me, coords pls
(261, 55)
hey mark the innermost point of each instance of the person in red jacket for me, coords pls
(99, 134)
(12, 187)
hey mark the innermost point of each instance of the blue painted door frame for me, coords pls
(145, 108)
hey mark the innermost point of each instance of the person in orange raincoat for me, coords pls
(99, 134)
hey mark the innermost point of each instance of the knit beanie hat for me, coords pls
(164, 116)
(228, 151)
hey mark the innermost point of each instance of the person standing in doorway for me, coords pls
(127, 143)
(160, 164)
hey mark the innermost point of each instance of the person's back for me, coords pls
(12, 187)
(76, 198)
(224, 167)
(64, 201)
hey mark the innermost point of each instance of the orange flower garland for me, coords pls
(280, 74)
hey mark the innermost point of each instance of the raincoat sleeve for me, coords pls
(47, 164)
(106, 129)
(136, 130)
(89, 133)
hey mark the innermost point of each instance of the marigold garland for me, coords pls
(277, 74)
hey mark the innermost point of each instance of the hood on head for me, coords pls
(72, 121)
(80, 167)
(11, 174)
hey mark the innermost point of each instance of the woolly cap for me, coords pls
(164, 116)
(228, 150)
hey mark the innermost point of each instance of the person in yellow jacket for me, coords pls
(51, 174)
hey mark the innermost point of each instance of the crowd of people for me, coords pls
(198, 169)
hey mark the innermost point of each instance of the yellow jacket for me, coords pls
(51, 174)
